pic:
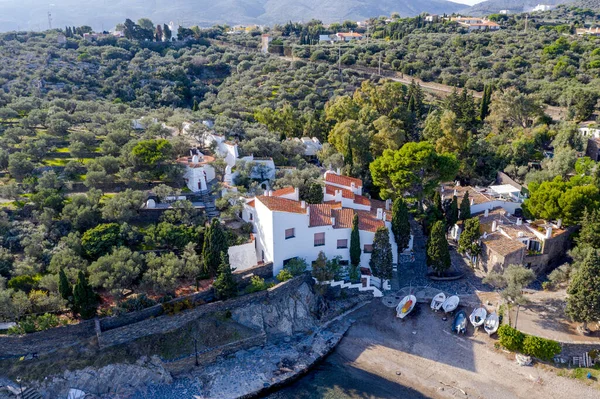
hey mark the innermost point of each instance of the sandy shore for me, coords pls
(421, 358)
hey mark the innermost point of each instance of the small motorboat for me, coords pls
(450, 304)
(478, 316)
(459, 325)
(492, 322)
(406, 306)
(438, 301)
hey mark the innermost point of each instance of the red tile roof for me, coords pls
(342, 180)
(250, 203)
(343, 218)
(359, 199)
(320, 215)
(329, 189)
(277, 204)
(284, 191)
(367, 221)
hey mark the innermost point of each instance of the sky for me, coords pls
(469, 2)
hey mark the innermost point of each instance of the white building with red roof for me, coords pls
(286, 227)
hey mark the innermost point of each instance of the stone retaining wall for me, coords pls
(570, 350)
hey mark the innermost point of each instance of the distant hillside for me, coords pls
(514, 6)
(105, 14)
(593, 4)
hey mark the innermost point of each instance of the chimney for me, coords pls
(379, 213)
(332, 221)
(270, 193)
(303, 204)
(485, 234)
(384, 216)
(519, 221)
(458, 183)
(338, 196)
(472, 201)
(559, 223)
(548, 232)
(338, 171)
(296, 193)
(455, 193)
(486, 213)
(388, 204)
(353, 186)
(494, 226)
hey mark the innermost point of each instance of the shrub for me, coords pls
(138, 303)
(34, 323)
(511, 338)
(541, 348)
(296, 266)
(24, 283)
(354, 273)
(284, 275)
(172, 308)
(257, 283)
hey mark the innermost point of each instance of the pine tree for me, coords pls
(589, 235)
(452, 213)
(381, 257)
(64, 287)
(85, 301)
(355, 250)
(465, 207)
(400, 224)
(215, 242)
(225, 285)
(438, 253)
(468, 243)
(583, 300)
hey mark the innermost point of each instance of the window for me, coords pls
(290, 233)
(342, 244)
(368, 248)
(319, 239)
(251, 216)
(534, 246)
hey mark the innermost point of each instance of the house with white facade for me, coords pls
(286, 227)
(505, 196)
(473, 23)
(198, 170)
(591, 132)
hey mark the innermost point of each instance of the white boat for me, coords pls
(492, 322)
(438, 301)
(477, 318)
(450, 304)
(406, 306)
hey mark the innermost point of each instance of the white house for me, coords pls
(474, 24)
(312, 146)
(504, 196)
(198, 170)
(348, 36)
(287, 228)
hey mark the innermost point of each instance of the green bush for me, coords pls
(296, 266)
(284, 275)
(34, 323)
(541, 348)
(138, 303)
(511, 338)
(172, 308)
(24, 283)
(257, 284)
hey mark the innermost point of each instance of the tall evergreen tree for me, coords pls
(381, 257)
(400, 224)
(437, 206)
(195, 106)
(438, 252)
(468, 243)
(65, 288)
(589, 235)
(452, 213)
(167, 33)
(355, 250)
(225, 285)
(465, 207)
(215, 242)
(583, 300)
(485, 102)
(85, 301)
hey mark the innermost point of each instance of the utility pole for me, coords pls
(49, 20)
(340, 59)
(380, 63)
(526, 20)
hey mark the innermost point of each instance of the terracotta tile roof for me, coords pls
(359, 199)
(320, 215)
(250, 203)
(277, 204)
(343, 180)
(501, 244)
(283, 191)
(333, 204)
(329, 189)
(350, 34)
(343, 218)
(367, 221)
(475, 195)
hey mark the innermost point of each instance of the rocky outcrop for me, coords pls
(110, 381)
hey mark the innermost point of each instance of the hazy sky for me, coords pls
(469, 2)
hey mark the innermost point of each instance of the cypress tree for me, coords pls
(465, 207)
(215, 242)
(485, 102)
(85, 301)
(400, 224)
(355, 250)
(195, 106)
(452, 213)
(381, 257)
(225, 285)
(438, 210)
(64, 286)
(438, 253)
(583, 300)
(468, 242)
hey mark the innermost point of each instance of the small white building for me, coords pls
(198, 170)
(348, 36)
(473, 23)
(542, 7)
(311, 145)
(286, 228)
(504, 196)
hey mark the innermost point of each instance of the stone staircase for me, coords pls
(209, 204)
(30, 393)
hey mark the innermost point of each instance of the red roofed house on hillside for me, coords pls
(286, 227)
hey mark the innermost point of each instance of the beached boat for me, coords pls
(477, 318)
(438, 301)
(450, 304)
(492, 322)
(459, 325)
(405, 306)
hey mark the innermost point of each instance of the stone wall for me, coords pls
(569, 350)
(243, 277)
